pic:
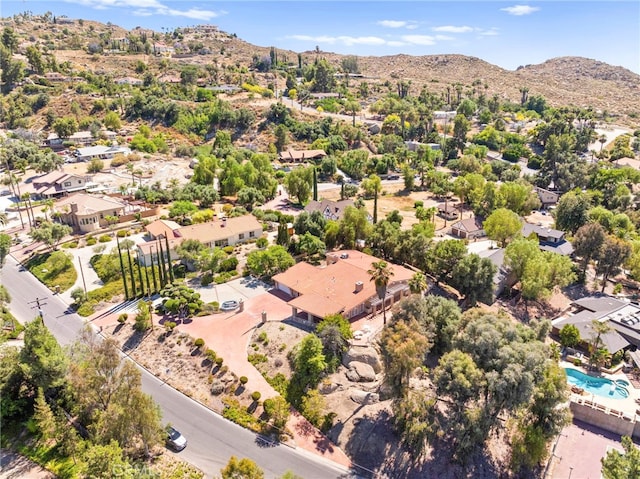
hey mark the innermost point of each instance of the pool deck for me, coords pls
(624, 406)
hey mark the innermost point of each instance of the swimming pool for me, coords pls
(599, 386)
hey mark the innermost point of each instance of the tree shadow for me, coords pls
(133, 341)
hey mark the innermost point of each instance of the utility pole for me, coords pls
(38, 304)
(84, 284)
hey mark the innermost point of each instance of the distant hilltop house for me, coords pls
(58, 183)
(448, 211)
(331, 210)
(301, 155)
(413, 145)
(128, 81)
(205, 28)
(444, 115)
(101, 152)
(218, 233)
(547, 198)
(79, 138)
(87, 213)
(162, 49)
(343, 286)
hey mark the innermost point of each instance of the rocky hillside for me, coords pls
(562, 81)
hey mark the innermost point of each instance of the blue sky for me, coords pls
(507, 34)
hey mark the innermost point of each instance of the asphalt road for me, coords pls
(212, 439)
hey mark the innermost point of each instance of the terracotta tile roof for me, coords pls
(332, 289)
(298, 155)
(145, 248)
(165, 228)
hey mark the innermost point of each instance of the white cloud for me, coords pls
(492, 32)
(453, 29)
(409, 25)
(342, 39)
(519, 10)
(392, 23)
(396, 43)
(444, 38)
(148, 8)
(419, 39)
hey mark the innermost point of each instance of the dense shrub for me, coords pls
(198, 343)
(105, 239)
(256, 396)
(229, 264)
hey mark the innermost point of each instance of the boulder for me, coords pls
(364, 397)
(362, 354)
(360, 372)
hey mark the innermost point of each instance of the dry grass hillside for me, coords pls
(562, 81)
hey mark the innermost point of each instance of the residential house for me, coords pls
(470, 228)
(101, 152)
(162, 49)
(128, 81)
(58, 183)
(343, 286)
(220, 232)
(162, 229)
(549, 239)
(623, 317)
(444, 115)
(547, 198)
(301, 155)
(413, 145)
(55, 77)
(331, 210)
(86, 213)
(503, 278)
(448, 211)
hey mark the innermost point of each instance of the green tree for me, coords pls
(182, 210)
(35, 59)
(241, 469)
(413, 418)
(352, 107)
(616, 465)
(381, 274)
(309, 364)
(334, 332)
(569, 335)
(100, 461)
(313, 407)
(65, 127)
(299, 183)
(443, 257)
(403, 350)
(458, 377)
(181, 300)
(43, 363)
(249, 196)
(95, 166)
(50, 233)
(473, 278)
(418, 283)
(45, 420)
(265, 263)
(112, 121)
(310, 245)
(502, 226)
(5, 246)
(613, 253)
(571, 212)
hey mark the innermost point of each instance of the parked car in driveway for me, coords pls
(175, 440)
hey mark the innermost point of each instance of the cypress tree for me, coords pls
(375, 206)
(161, 265)
(153, 274)
(166, 241)
(146, 273)
(315, 184)
(142, 293)
(123, 272)
(342, 191)
(133, 278)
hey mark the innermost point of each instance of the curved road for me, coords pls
(212, 439)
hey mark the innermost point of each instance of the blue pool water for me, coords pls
(599, 386)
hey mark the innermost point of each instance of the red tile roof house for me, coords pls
(342, 286)
(220, 233)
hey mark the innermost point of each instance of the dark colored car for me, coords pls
(175, 440)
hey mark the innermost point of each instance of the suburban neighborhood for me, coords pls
(371, 275)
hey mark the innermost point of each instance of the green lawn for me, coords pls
(54, 269)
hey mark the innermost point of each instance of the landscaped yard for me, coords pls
(54, 270)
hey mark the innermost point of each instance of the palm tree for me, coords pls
(381, 274)
(595, 350)
(418, 283)
(26, 197)
(48, 206)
